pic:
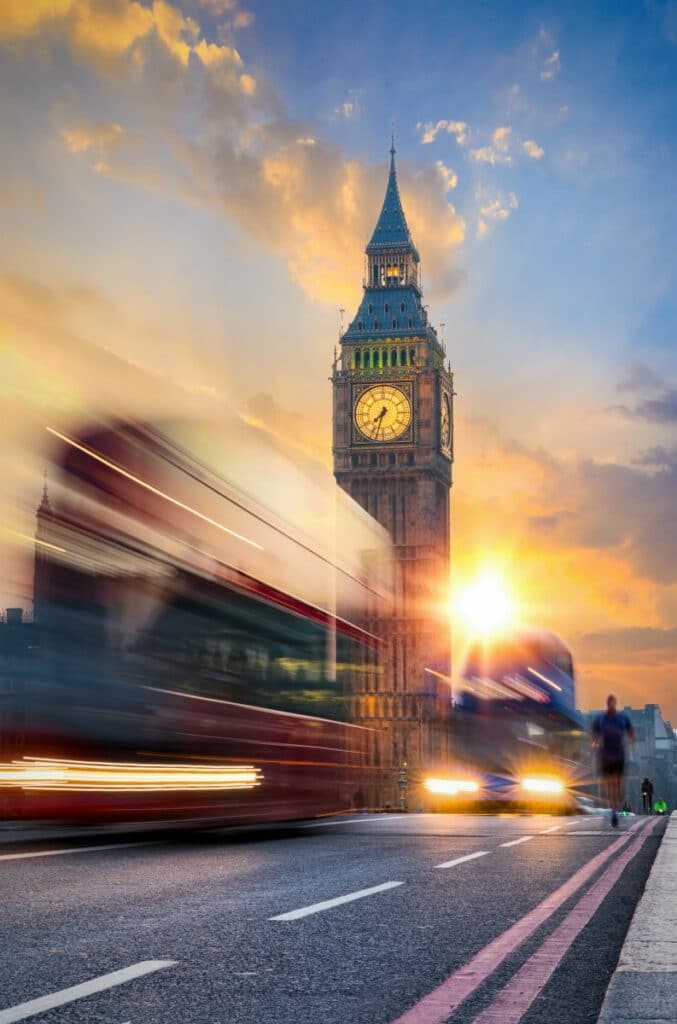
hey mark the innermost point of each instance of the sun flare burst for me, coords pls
(486, 605)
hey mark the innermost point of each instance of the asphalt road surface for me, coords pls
(372, 919)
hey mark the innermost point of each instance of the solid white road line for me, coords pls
(462, 860)
(87, 988)
(555, 828)
(78, 849)
(516, 842)
(315, 908)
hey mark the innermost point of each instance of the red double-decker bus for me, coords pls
(199, 632)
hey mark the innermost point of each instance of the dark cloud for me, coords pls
(662, 409)
(658, 410)
(640, 377)
(545, 523)
(657, 457)
(635, 644)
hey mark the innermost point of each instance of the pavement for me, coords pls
(368, 919)
(644, 985)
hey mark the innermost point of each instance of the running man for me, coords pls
(608, 740)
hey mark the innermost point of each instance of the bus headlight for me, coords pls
(451, 787)
(540, 784)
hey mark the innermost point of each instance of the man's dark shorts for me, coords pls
(610, 768)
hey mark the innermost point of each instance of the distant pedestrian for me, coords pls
(608, 739)
(647, 795)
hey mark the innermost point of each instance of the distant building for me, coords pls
(654, 756)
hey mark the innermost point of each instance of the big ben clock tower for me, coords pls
(393, 453)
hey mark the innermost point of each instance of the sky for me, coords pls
(186, 192)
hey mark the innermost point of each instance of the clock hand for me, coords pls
(379, 420)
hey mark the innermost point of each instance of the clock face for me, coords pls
(445, 421)
(382, 413)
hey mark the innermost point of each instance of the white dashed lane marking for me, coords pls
(316, 908)
(516, 842)
(462, 860)
(88, 988)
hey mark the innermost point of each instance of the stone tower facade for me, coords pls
(393, 453)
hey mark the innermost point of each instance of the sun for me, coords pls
(486, 605)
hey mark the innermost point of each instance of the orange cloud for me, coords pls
(248, 84)
(532, 149)
(102, 31)
(172, 27)
(85, 136)
(243, 19)
(107, 29)
(211, 54)
(23, 18)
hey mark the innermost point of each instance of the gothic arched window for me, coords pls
(403, 357)
(412, 355)
(360, 325)
(386, 308)
(411, 322)
(402, 307)
(393, 357)
(376, 325)
(394, 325)
(358, 360)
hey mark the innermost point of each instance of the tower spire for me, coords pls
(391, 304)
(44, 505)
(391, 229)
